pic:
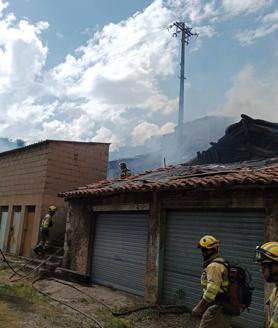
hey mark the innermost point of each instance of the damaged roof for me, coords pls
(183, 176)
(246, 140)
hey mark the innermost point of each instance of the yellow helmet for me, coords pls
(267, 252)
(208, 242)
(52, 208)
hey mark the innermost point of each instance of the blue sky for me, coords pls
(108, 70)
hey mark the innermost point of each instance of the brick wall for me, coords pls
(72, 165)
(34, 176)
(23, 172)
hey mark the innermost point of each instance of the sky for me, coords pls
(108, 71)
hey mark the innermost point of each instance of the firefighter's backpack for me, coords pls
(239, 295)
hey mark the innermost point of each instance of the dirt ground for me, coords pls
(22, 306)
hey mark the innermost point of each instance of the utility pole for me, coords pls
(186, 34)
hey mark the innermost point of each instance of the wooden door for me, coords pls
(3, 220)
(28, 230)
(14, 229)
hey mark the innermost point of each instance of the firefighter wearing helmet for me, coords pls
(267, 256)
(214, 281)
(125, 172)
(46, 223)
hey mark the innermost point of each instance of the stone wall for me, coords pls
(81, 213)
(78, 237)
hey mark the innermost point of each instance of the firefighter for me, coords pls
(267, 256)
(46, 223)
(125, 172)
(214, 281)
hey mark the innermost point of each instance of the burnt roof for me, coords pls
(245, 140)
(45, 142)
(184, 176)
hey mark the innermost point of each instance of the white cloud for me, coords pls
(252, 94)
(22, 55)
(204, 14)
(59, 35)
(117, 74)
(267, 25)
(105, 135)
(167, 128)
(3, 5)
(194, 11)
(235, 7)
(248, 37)
(145, 130)
(269, 18)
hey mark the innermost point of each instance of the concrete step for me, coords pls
(56, 259)
(35, 261)
(51, 266)
(43, 273)
(73, 276)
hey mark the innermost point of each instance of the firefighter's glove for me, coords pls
(200, 308)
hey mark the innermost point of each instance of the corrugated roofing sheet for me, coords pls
(261, 173)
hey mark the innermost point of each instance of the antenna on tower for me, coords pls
(186, 34)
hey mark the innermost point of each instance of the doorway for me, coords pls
(28, 230)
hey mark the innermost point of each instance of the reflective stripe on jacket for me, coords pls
(125, 173)
(214, 280)
(46, 221)
(273, 308)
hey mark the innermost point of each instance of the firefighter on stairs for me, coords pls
(47, 222)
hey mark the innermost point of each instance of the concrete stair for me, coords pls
(42, 266)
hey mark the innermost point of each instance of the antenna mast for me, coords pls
(186, 34)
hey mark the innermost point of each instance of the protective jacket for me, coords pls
(214, 280)
(273, 308)
(46, 222)
(125, 173)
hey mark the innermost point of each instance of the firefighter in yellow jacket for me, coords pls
(267, 255)
(125, 172)
(214, 281)
(46, 223)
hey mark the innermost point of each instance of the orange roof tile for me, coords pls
(260, 173)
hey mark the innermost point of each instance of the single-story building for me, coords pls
(140, 234)
(31, 177)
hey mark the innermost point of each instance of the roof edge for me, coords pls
(47, 141)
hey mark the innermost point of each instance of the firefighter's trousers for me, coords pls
(215, 318)
(44, 243)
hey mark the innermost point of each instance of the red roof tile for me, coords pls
(258, 173)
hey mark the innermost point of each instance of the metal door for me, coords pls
(3, 221)
(14, 229)
(239, 232)
(119, 251)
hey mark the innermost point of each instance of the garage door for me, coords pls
(119, 251)
(239, 233)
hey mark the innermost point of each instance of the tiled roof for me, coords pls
(259, 173)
